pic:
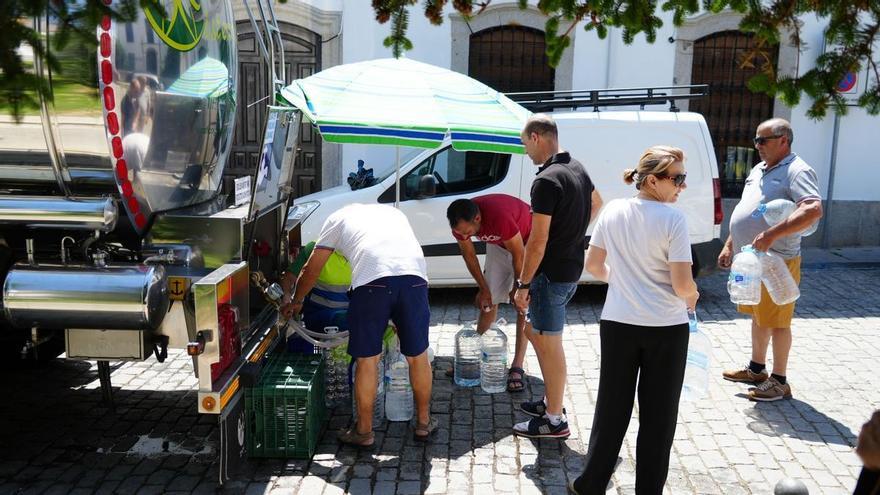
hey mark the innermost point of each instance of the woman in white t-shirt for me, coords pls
(640, 246)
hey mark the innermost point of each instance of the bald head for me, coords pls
(779, 127)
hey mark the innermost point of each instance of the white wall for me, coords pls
(857, 162)
(611, 63)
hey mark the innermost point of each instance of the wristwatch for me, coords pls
(521, 285)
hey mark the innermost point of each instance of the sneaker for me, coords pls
(542, 428)
(745, 375)
(770, 390)
(535, 408)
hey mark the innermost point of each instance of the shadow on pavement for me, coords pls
(797, 419)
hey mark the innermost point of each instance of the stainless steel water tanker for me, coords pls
(114, 297)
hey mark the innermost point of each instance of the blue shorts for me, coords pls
(547, 304)
(402, 299)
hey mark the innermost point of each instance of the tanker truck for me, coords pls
(115, 241)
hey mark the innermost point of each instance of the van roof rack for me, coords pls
(539, 101)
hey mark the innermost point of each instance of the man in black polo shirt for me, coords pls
(563, 202)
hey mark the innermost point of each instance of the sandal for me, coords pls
(352, 437)
(515, 384)
(423, 432)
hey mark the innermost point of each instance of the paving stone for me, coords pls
(723, 444)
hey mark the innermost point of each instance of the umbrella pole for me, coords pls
(397, 178)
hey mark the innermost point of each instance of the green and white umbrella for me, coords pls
(207, 78)
(407, 103)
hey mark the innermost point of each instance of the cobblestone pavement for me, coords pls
(57, 438)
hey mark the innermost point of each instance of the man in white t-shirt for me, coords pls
(389, 281)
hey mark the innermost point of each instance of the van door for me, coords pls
(455, 175)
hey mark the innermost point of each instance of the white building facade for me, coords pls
(503, 44)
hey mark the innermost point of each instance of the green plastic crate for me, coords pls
(285, 409)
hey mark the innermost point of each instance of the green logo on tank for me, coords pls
(182, 31)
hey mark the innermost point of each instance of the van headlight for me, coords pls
(299, 212)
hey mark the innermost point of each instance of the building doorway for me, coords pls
(302, 54)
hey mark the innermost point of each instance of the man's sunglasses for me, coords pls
(678, 179)
(762, 140)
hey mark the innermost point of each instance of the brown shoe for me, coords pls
(352, 437)
(770, 390)
(745, 375)
(424, 432)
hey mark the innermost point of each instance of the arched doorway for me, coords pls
(511, 59)
(302, 57)
(731, 110)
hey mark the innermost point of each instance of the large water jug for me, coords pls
(493, 359)
(777, 210)
(744, 283)
(696, 371)
(778, 280)
(379, 404)
(398, 391)
(466, 368)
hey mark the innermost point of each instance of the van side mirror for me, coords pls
(427, 187)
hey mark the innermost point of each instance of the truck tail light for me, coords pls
(716, 191)
(230, 341)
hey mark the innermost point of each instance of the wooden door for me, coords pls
(302, 53)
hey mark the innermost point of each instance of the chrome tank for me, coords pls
(54, 296)
(149, 114)
(168, 84)
(59, 212)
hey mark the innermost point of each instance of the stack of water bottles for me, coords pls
(336, 364)
(751, 267)
(481, 359)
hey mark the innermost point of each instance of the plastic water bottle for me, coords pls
(493, 361)
(467, 357)
(379, 404)
(398, 391)
(744, 283)
(696, 371)
(778, 280)
(778, 210)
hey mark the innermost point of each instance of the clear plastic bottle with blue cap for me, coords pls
(696, 371)
(778, 210)
(744, 283)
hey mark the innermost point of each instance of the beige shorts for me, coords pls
(767, 314)
(498, 272)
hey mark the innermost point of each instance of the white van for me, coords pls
(605, 142)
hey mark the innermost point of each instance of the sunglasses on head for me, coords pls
(677, 179)
(763, 139)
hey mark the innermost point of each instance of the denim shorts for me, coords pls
(402, 299)
(547, 304)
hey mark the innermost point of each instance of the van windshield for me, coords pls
(406, 155)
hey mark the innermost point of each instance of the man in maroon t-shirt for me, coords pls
(503, 222)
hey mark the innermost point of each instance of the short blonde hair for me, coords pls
(654, 161)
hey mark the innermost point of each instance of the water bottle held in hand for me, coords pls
(744, 283)
(778, 280)
(696, 371)
(493, 361)
(777, 210)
